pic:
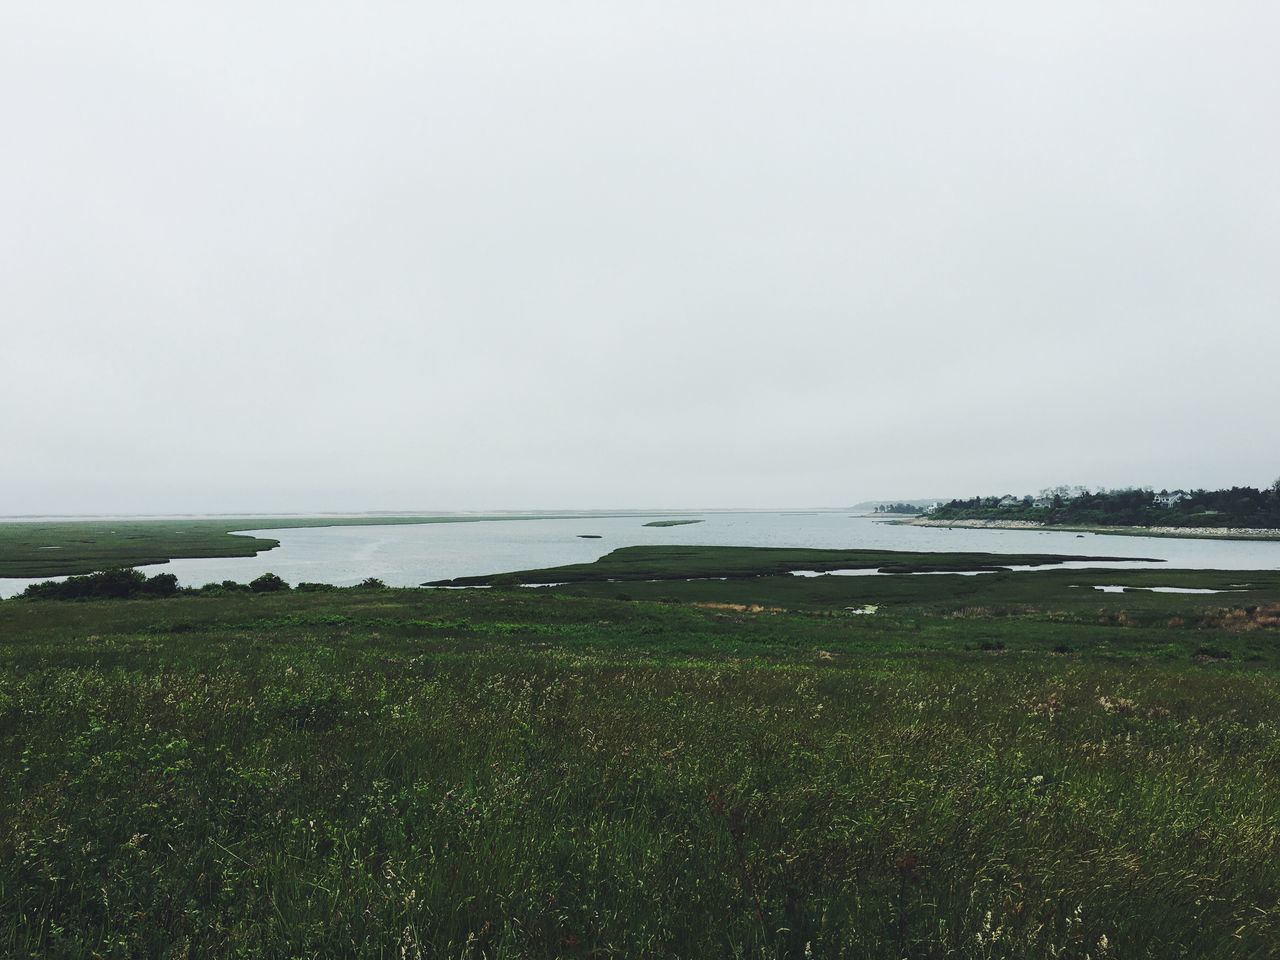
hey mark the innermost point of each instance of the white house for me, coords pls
(1006, 502)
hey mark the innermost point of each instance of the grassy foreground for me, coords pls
(507, 773)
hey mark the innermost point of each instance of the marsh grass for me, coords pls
(404, 773)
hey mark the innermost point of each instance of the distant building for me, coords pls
(1007, 502)
(1043, 503)
(1168, 499)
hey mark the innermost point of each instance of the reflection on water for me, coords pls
(411, 554)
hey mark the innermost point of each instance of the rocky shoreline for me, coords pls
(1204, 533)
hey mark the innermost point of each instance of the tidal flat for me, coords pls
(1010, 765)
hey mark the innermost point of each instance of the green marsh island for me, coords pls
(941, 756)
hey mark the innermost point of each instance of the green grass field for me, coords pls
(516, 773)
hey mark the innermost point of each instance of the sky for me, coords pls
(319, 256)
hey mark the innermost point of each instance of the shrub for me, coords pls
(161, 585)
(371, 583)
(225, 587)
(307, 586)
(105, 585)
(268, 583)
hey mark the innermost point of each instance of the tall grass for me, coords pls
(392, 775)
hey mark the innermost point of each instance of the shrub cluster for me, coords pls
(105, 585)
(127, 583)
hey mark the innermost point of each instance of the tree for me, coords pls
(268, 583)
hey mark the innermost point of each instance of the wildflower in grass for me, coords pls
(1120, 706)
(1049, 707)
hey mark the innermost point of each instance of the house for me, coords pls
(1007, 502)
(1168, 499)
(1043, 503)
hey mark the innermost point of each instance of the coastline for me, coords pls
(1184, 533)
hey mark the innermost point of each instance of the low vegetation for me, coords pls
(675, 562)
(516, 773)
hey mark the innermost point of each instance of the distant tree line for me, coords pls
(127, 583)
(1140, 507)
(898, 508)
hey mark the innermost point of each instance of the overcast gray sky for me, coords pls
(317, 256)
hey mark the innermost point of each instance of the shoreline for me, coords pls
(1183, 533)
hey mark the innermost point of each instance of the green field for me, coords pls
(690, 574)
(1031, 770)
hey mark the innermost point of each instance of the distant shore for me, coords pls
(1193, 533)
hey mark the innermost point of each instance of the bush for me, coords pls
(308, 587)
(268, 583)
(223, 588)
(161, 585)
(105, 585)
(371, 583)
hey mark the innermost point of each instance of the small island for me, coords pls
(670, 523)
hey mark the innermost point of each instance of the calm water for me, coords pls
(407, 555)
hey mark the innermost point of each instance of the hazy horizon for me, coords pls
(344, 258)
